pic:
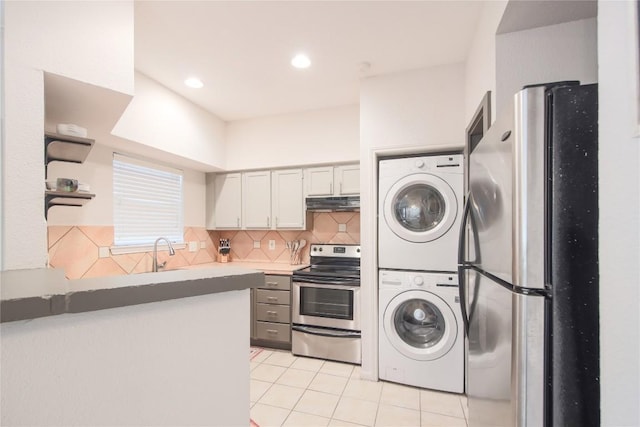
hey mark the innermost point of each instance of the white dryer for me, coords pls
(421, 334)
(419, 210)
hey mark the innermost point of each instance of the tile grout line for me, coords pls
(341, 395)
(303, 392)
(274, 382)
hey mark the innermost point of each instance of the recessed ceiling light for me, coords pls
(194, 82)
(301, 61)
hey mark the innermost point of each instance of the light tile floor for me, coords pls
(293, 391)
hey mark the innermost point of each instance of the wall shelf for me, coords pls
(65, 148)
(65, 198)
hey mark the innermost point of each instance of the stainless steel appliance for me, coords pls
(529, 271)
(326, 305)
(333, 204)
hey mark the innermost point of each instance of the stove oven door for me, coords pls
(329, 303)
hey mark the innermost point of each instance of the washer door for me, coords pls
(420, 208)
(420, 325)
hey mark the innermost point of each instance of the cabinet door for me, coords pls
(228, 200)
(256, 198)
(288, 199)
(320, 181)
(347, 179)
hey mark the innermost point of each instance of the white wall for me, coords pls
(2, 156)
(97, 171)
(164, 120)
(619, 163)
(159, 126)
(87, 41)
(480, 68)
(417, 108)
(415, 111)
(547, 54)
(179, 362)
(309, 137)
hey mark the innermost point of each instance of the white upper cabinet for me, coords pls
(326, 181)
(320, 181)
(256, 199)
(228, 200)
(274, 199)
(288, 199)
(347, 179)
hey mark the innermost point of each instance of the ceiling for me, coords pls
(241, 50)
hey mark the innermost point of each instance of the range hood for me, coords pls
(333, 204)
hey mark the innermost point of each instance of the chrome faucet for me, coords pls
(155, 253)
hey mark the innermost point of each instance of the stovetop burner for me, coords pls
(334, 261)
(329, 271)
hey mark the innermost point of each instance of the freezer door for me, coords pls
(506, 365)
(529, 201)
(490, 186)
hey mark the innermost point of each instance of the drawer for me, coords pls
(273, 313)
(273, 331)
(277, 282)
(272, 297)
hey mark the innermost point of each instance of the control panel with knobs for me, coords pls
(418, 280)
(419, 163)
(348, 251)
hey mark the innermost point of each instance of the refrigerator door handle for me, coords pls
(462, 266)
(462, 289)
(463, 229)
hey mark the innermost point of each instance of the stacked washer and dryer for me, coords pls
(421, 335)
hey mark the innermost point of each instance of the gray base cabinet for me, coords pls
(271, 313)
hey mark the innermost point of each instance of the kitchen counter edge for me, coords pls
(280, 269)
(34, 293)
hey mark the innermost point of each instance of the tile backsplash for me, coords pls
(76, 249)
(326, 229)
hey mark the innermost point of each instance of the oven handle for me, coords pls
(314, 285)
(326, 332)
(339, 282)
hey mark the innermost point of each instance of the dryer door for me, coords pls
(420, 208)
(420, 325)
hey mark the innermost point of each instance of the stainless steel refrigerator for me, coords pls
(529, 261)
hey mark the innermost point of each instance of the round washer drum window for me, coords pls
(419, 207)
(419, 323)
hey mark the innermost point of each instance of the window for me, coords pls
(147, 202)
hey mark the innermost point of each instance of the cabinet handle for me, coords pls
(272, 313)
(276, 222)
(272, 283)
(267, 221)
(238, 221)
(272, 331)
(331, 188)
(272, 299)
(340, 187)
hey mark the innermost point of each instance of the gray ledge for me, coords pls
(29, 294)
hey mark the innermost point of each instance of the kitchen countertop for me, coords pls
(29, 294)
(266, 267)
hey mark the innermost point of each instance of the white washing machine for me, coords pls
(421, 334)
(420, 205)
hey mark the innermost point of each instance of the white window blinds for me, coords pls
(148, 202)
